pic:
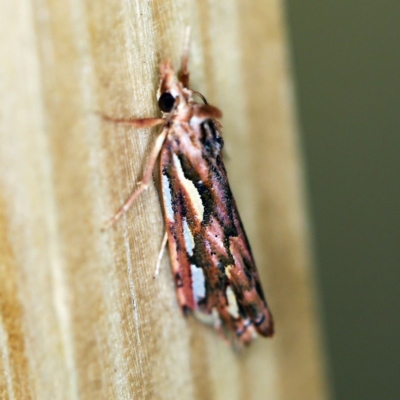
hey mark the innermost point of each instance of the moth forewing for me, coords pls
(211, 260)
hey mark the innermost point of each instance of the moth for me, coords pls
(212, 264)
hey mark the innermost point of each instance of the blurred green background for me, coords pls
(346, 62)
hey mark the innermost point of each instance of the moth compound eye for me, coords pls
(166, 102)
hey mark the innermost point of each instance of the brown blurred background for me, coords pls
(346, 65)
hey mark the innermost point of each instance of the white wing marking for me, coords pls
(198, 282)
(167, 198)
(189, 241)
(233, 308)
(190, 188)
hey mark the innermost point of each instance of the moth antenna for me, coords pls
(200, 95)
(184, 73)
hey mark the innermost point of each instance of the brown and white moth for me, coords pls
(215, 275)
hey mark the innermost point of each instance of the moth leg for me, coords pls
(144, 183)
(137, 122)
(184, 73)
(160, 254)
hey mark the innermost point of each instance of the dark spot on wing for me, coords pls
(260, 321)
(186, 310)
(178, 280)
(210, 138)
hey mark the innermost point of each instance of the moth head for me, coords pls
(170, 93)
